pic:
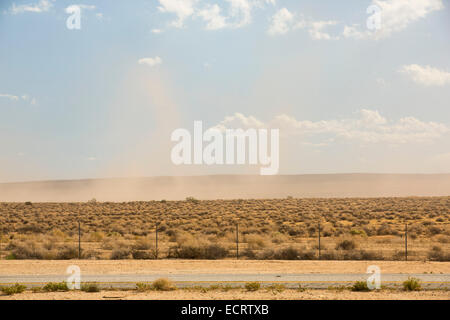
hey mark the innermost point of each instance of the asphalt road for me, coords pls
(318, 281)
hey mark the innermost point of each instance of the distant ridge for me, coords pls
(229, 187)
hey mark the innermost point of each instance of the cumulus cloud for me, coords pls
(426, 75)
(238, 120)
(241, 11)
(212, 15)
(39, 7)
(226, 14)
(368, 127)
(396, 15)
(150, 61)
(281, 22)
(316, 30)
(183, 9)
(284, 21)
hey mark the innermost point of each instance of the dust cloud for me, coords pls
(228, 187)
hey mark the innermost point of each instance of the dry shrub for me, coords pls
(17, 288)
(143, 254)
(97, 236)
(196, 251)
(437, 254)
(144, 244)
(443, 239)
(163, 284)
(255, 241)
(278, 238)
(120, 253)
(346, 244)
(67, 253)
(361, 255)
(25, 250)
(289, 253)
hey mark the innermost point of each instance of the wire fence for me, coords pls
(345, 247)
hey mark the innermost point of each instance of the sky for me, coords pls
(352, 86)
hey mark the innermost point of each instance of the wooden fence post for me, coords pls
(79, 240)
(237, 241)
(406, 242)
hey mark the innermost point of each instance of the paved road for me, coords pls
(185, 280)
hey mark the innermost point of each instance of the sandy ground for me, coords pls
(46, 267)
(235, 294)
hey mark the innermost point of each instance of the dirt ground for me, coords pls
(236, 294)
(54, 267)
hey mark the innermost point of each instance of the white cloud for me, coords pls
(156, 31)
(316, 30)
(183, 9)
(150, 61)
(396, 15)
(24, 97)
(86, 6)
(241, 10)
(238, 12)
(368, 127)
(238, 120)
(41, 6)
(426, 75)
(284, 21)
(281, 22)
(9, 96)
(354, 32)
(212, 15)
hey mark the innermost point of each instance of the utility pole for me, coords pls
(79, 240)
(406, 242)
(237, 241)
(319, 240)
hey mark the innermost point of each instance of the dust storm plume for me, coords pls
(229, 187)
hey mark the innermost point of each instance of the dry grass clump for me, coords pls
(33, 250)
(163, 284)
(14, 289)
(90, 287)
(346, 244)
(412, 284)
(438, 254)
(252, 286)
(56, 286)
(198, 251)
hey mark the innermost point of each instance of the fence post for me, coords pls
(156, 241)
(406, 242)
(319, 240)
(237, 241)
(79, 240)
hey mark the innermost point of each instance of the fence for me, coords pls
(347, 251)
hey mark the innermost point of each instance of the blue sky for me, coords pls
(78, 104)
